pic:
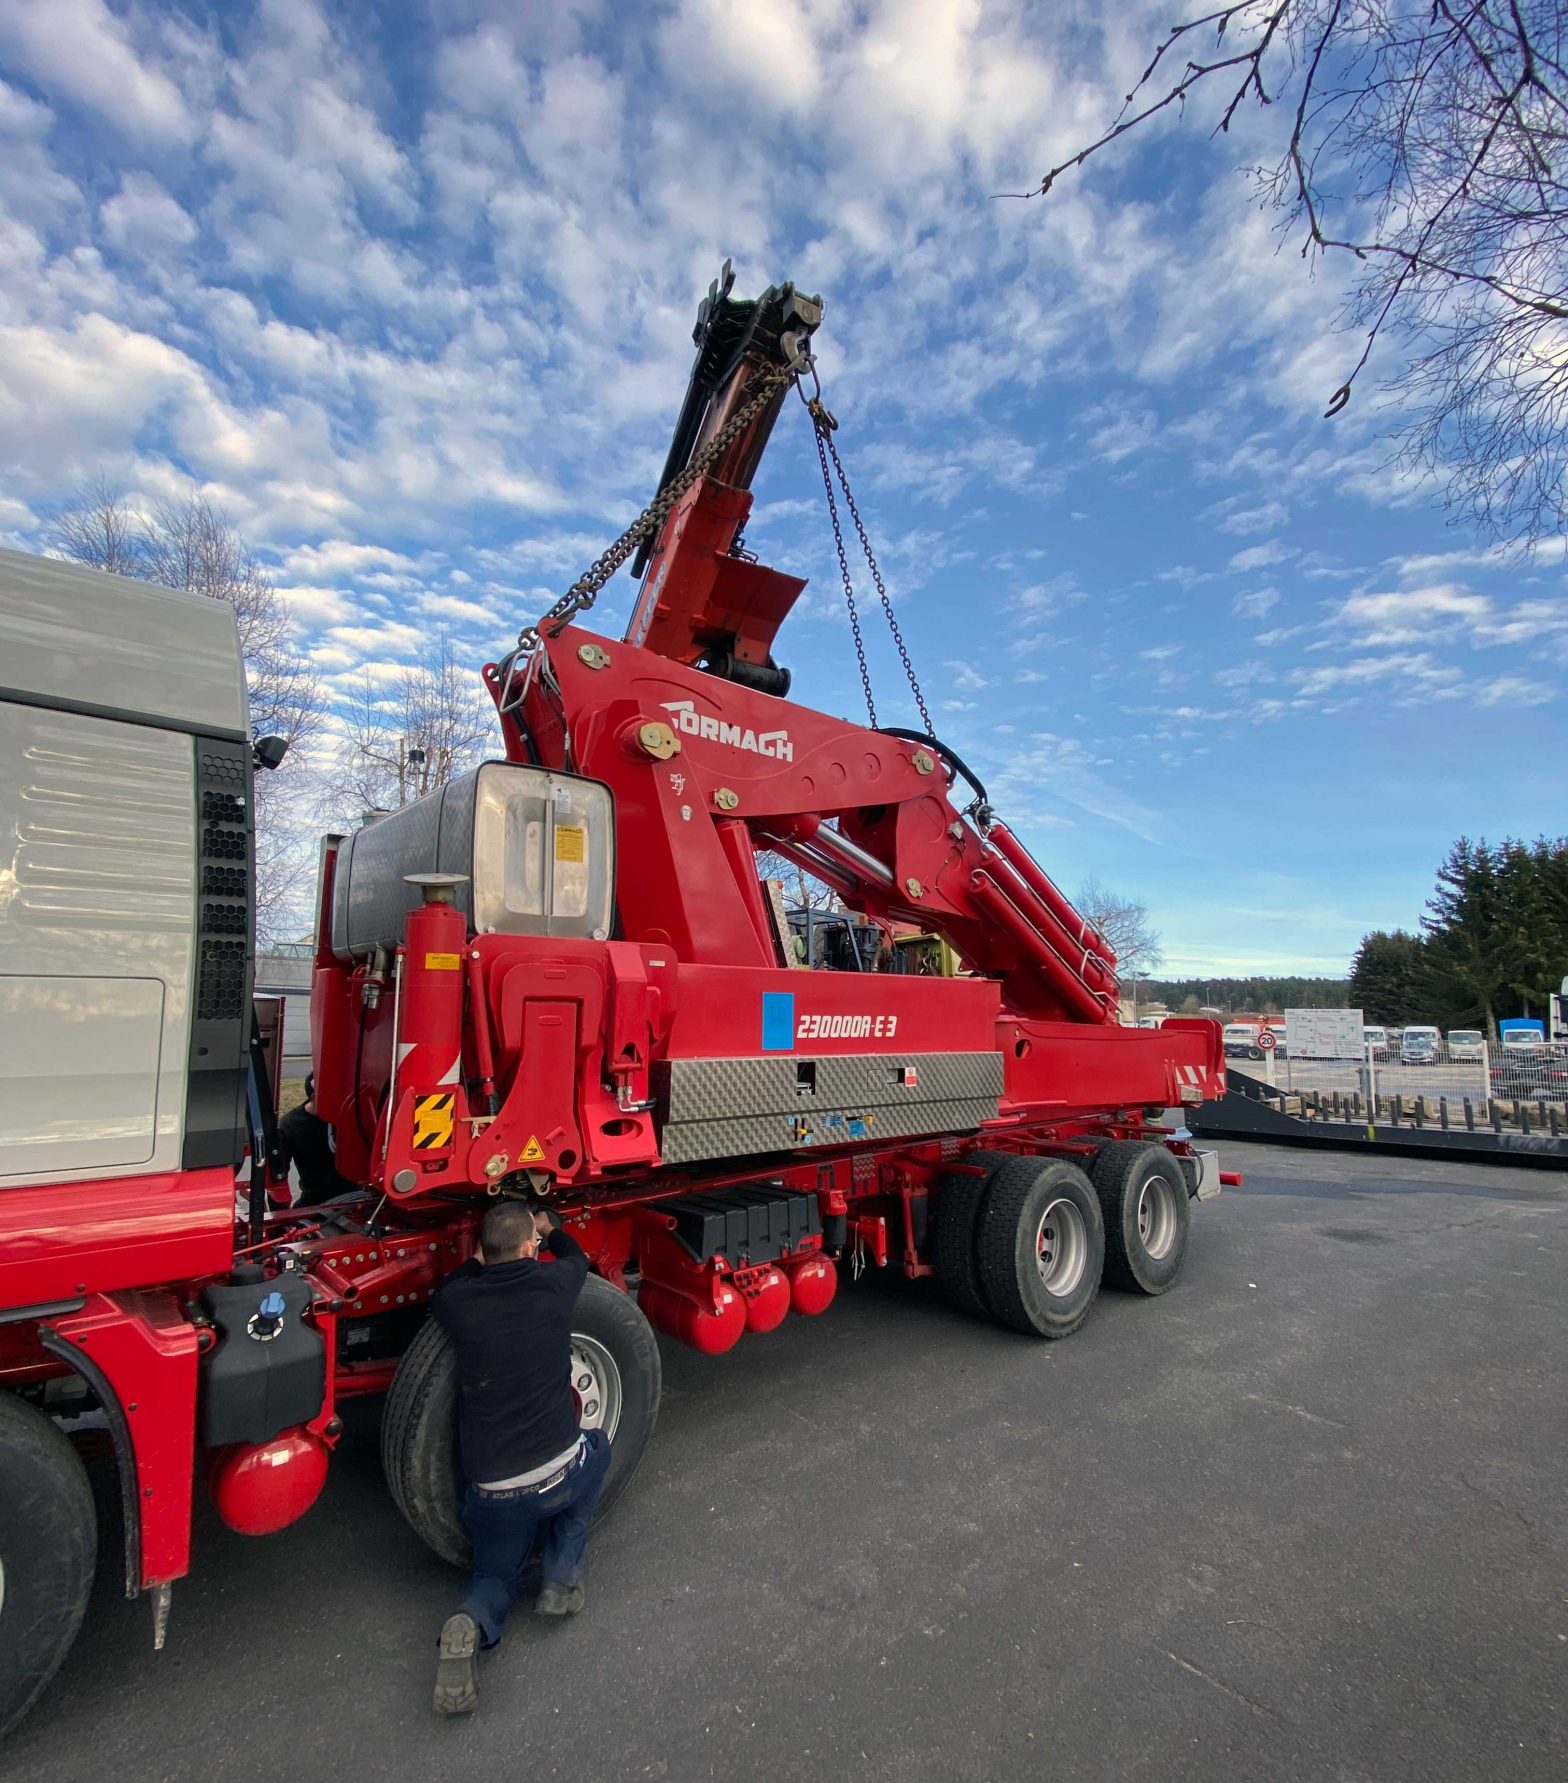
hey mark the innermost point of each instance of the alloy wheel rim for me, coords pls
(596, 1385)
(1157, 1217)
(1061, 1247)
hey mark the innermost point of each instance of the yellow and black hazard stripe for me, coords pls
(433, 1116)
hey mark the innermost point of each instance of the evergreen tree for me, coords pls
(1386, 978)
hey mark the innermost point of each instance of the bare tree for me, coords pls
(802, 891)
(1424, 141)
(102, 529)
(188, 544)
(401, 740)
(1125, 924)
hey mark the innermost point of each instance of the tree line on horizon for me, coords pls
(1258, 995)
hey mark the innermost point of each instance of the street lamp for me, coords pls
(1137, 979)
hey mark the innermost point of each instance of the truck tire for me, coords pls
(1145, 1203)
(616, 1375)
(1041, 1246)
(48, 1549)
(953, 1222)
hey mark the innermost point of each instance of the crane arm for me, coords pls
(702, 600)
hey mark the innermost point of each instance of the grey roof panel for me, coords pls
(122, 648)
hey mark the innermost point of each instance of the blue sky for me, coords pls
(408, 290)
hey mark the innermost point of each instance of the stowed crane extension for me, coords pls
(558, 977)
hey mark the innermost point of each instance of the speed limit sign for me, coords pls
(1268, 1040)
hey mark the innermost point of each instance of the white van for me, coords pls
(1376, 1041)
(1421, 1045)
(1466, 1046)
(1241, 1041)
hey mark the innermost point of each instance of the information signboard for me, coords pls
(1324, 1034)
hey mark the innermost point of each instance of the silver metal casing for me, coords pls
(536, 850)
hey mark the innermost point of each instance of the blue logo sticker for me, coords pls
(778, 1021)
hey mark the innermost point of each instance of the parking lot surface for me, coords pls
(1303, 1517)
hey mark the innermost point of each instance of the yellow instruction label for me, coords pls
(571, 844)
(443, 962)
(533, 1152)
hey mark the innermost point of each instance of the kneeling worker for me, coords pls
(531, 1470)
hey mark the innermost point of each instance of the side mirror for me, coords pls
(270, 751)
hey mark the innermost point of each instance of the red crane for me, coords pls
(560, 976)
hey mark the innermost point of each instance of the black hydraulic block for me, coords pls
(755, 1224)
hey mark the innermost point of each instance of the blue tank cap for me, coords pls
(273, 1306)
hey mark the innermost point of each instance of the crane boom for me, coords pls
(703, 600)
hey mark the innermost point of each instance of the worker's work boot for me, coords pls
(457, 1691)
(559, 1600)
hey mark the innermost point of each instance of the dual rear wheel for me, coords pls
(1028, 1240)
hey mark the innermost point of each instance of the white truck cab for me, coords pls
(125, 932)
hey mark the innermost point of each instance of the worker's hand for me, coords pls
(543, 1224)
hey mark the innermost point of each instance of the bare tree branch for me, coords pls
(1125, 924)
(402, 740)
(1433, 136)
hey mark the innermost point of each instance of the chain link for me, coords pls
(843, 563)
(585, 590)
(825, 425)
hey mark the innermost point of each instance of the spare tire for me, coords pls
(48, 1549)
(615, 1373)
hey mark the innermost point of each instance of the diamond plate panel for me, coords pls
(730, 1108)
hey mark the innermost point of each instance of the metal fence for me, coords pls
(1461, 1073)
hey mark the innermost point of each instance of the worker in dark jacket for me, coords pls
(530, 1469)
(306, 1142)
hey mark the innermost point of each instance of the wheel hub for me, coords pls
(1157, 1217)
(1061, 1247)
(596, 1385)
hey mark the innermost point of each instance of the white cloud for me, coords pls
(1514, 690)
(142, 218)
(966, 676)
(1413, 616)
(79, 50)
(1413, 671)
(1241, 518)
(1255, 604)
(1261, 557)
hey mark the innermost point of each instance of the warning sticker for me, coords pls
(433, 1122)
(571, 844)
(443, 962)
(533, 1152)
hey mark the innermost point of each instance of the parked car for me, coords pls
(1375, 1040)
(1518, 1079)
(1241, 1041)
(1466, 1046)
(1523, 1043)
(1420, 1045)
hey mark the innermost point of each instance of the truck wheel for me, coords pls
(48, 1549)
(953, 1222)
(615, 1375)
(1041, 1246)
(1145, 1203)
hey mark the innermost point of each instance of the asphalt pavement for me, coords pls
(1304, 1517)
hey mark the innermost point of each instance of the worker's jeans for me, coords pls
(502, 1531)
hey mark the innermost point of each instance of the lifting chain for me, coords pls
(825, 426)
(585, 590)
